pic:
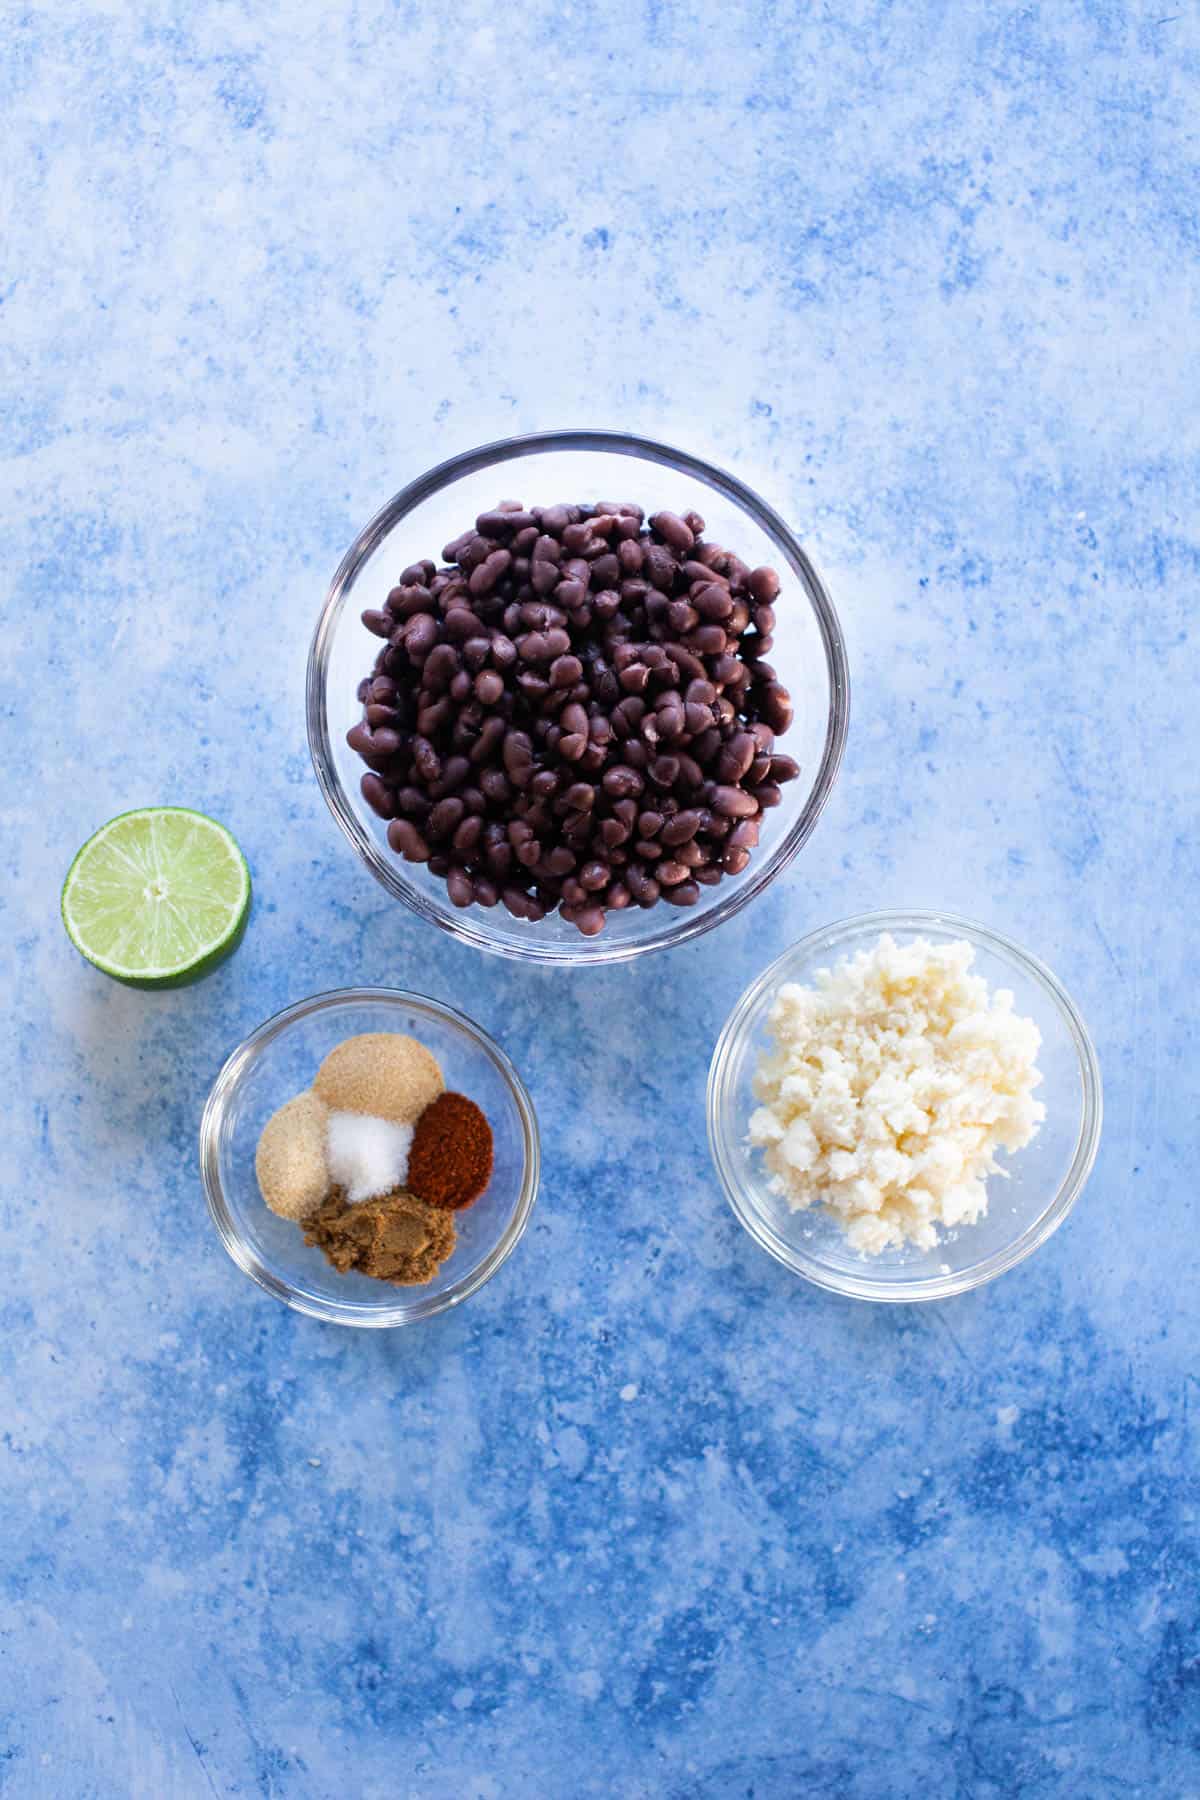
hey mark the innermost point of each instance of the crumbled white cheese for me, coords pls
(888, 1089)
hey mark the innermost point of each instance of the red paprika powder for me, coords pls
(450, 1162)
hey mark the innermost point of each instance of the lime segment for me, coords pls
(158, 897)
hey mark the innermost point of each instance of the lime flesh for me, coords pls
(158, 897)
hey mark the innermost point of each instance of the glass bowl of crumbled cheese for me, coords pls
(292, 1168)
(903, 1106)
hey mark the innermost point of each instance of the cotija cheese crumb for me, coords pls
(888, 1088)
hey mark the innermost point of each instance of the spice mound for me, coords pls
(888, 1088)
(576, 712)
(450, 1163)
(367, 1156)
(393, 1237)
(291, 1161)
(383, 1073)
(375, 1157)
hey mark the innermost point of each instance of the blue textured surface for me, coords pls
(649, 1518)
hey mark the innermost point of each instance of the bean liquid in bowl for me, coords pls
(576, 711)
(486, 709)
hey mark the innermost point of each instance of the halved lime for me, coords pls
(158, 897)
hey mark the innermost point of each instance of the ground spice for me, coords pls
(394, 1237)
(450, 1162)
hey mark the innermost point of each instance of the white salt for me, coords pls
(367, 1156)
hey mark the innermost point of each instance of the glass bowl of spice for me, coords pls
(903, 1106)
(601, 728)
(370, 1157)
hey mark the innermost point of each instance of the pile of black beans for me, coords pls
(576, 711)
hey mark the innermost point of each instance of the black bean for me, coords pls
(686, 893)
(587, 919)
(490, 737)
(378, 796)
(686, 661)
(683, 826)
(671, 528)
(621, 781)
(713, 603)
(734, 802)
(413, 803)
(763, 584)
(380, 623)
(643, 887)
(707, 640)
(426, 760)
(460, 623)
(736, 757)
(499, 524)
(460, 887)
(420, 635)
(446, 817)
(777, 708)
(404, 837)
(431, 718)
(744, 835)
(660, 566)
(682, 617)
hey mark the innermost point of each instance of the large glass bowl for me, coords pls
(577, 465)
(1044, 1180)
(278, 1061)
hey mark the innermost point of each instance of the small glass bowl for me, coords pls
(279, 1060)
(1044, 1180)
(808, 655)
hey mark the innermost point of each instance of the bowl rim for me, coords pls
(936, 1287)
(464, 925)
(370, 1314)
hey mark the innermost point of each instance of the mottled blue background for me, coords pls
(649, 1518)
